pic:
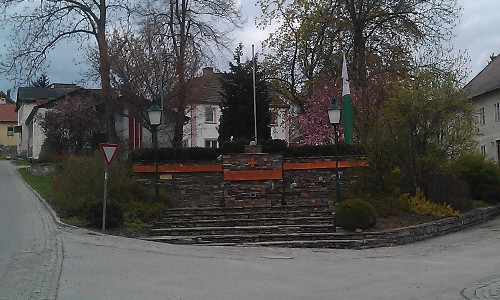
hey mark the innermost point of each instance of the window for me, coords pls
(497, 112)
(482, 116)
(274, 118)
(209, 115)
(10, 131)
(211, 144)
(483, 150)
(2, 101)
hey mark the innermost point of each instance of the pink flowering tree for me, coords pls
(314, 124)
(71, 125)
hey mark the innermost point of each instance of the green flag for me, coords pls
(347, 111)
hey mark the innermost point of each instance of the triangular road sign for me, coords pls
(109, 152)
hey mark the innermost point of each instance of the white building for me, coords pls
(484, 90)
(33, 103)
(204, 113)
(31, 136)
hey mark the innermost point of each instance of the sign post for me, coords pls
(109, 152)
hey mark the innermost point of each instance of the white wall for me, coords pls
(22, 115)
(489, 132)
(199, 130)
(280, 130)
(36, 135)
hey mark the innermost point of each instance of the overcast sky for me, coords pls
(478, 33)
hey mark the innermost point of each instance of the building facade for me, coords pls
(34, 102)
(484, 90)
(8, 121)
(204, 112)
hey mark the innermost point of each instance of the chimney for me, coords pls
(207, 71)
(8, 93)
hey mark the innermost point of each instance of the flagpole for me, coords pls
(254, 96)
(347, 110)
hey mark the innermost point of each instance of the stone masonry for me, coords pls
(249, 179)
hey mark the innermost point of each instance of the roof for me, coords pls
(488, 80)
(32, 94)
(7, 98)
(206, 88)
(8, 113)
(68, 94)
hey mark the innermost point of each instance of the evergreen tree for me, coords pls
(42, 81)
(237, 118)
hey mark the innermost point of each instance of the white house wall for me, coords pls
(37, 137)
(198, 131)
(22, 115)
(488, 138)
(280, 130)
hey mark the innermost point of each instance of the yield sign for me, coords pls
(109, 152)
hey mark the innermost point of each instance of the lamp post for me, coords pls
(334, 117)
(154, 112)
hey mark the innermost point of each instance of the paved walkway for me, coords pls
(462, 265)
(488, 290)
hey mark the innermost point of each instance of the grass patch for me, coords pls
(41, 184)
(480, 203)
(135, 225)
(20, 162)
(77, 222)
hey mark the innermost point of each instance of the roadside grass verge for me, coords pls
(41, 184)
(75, 192)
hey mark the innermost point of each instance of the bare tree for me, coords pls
(38, 28)
(193, 29)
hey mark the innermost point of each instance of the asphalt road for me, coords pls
(464, 265)
(30, 245)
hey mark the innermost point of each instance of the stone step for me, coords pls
(167, 217)
(232, 222)
(246, 208)
(304, 240)
(270, 229)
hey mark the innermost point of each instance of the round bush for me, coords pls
(355, 213)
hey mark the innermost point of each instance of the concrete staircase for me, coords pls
(304, 226)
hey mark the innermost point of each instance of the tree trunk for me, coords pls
(104, 72)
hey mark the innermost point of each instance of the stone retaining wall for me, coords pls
(425, 231)
(250, 179)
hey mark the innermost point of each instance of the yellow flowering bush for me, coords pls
(420, 205)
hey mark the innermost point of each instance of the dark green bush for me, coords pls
(482, 175)
(114, 215)
(236, 146)
(355, 213)
(147, 155)
(274, 146)
(79, 188)
(451, 190)
(322, 150)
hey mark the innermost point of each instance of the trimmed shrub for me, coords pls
(322, 150)
(355, 213)
(274, 146)
(146, 155)
(236, 146)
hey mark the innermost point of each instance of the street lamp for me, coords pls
(334, 117)
(154, 112)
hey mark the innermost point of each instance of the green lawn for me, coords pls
(41, 184)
